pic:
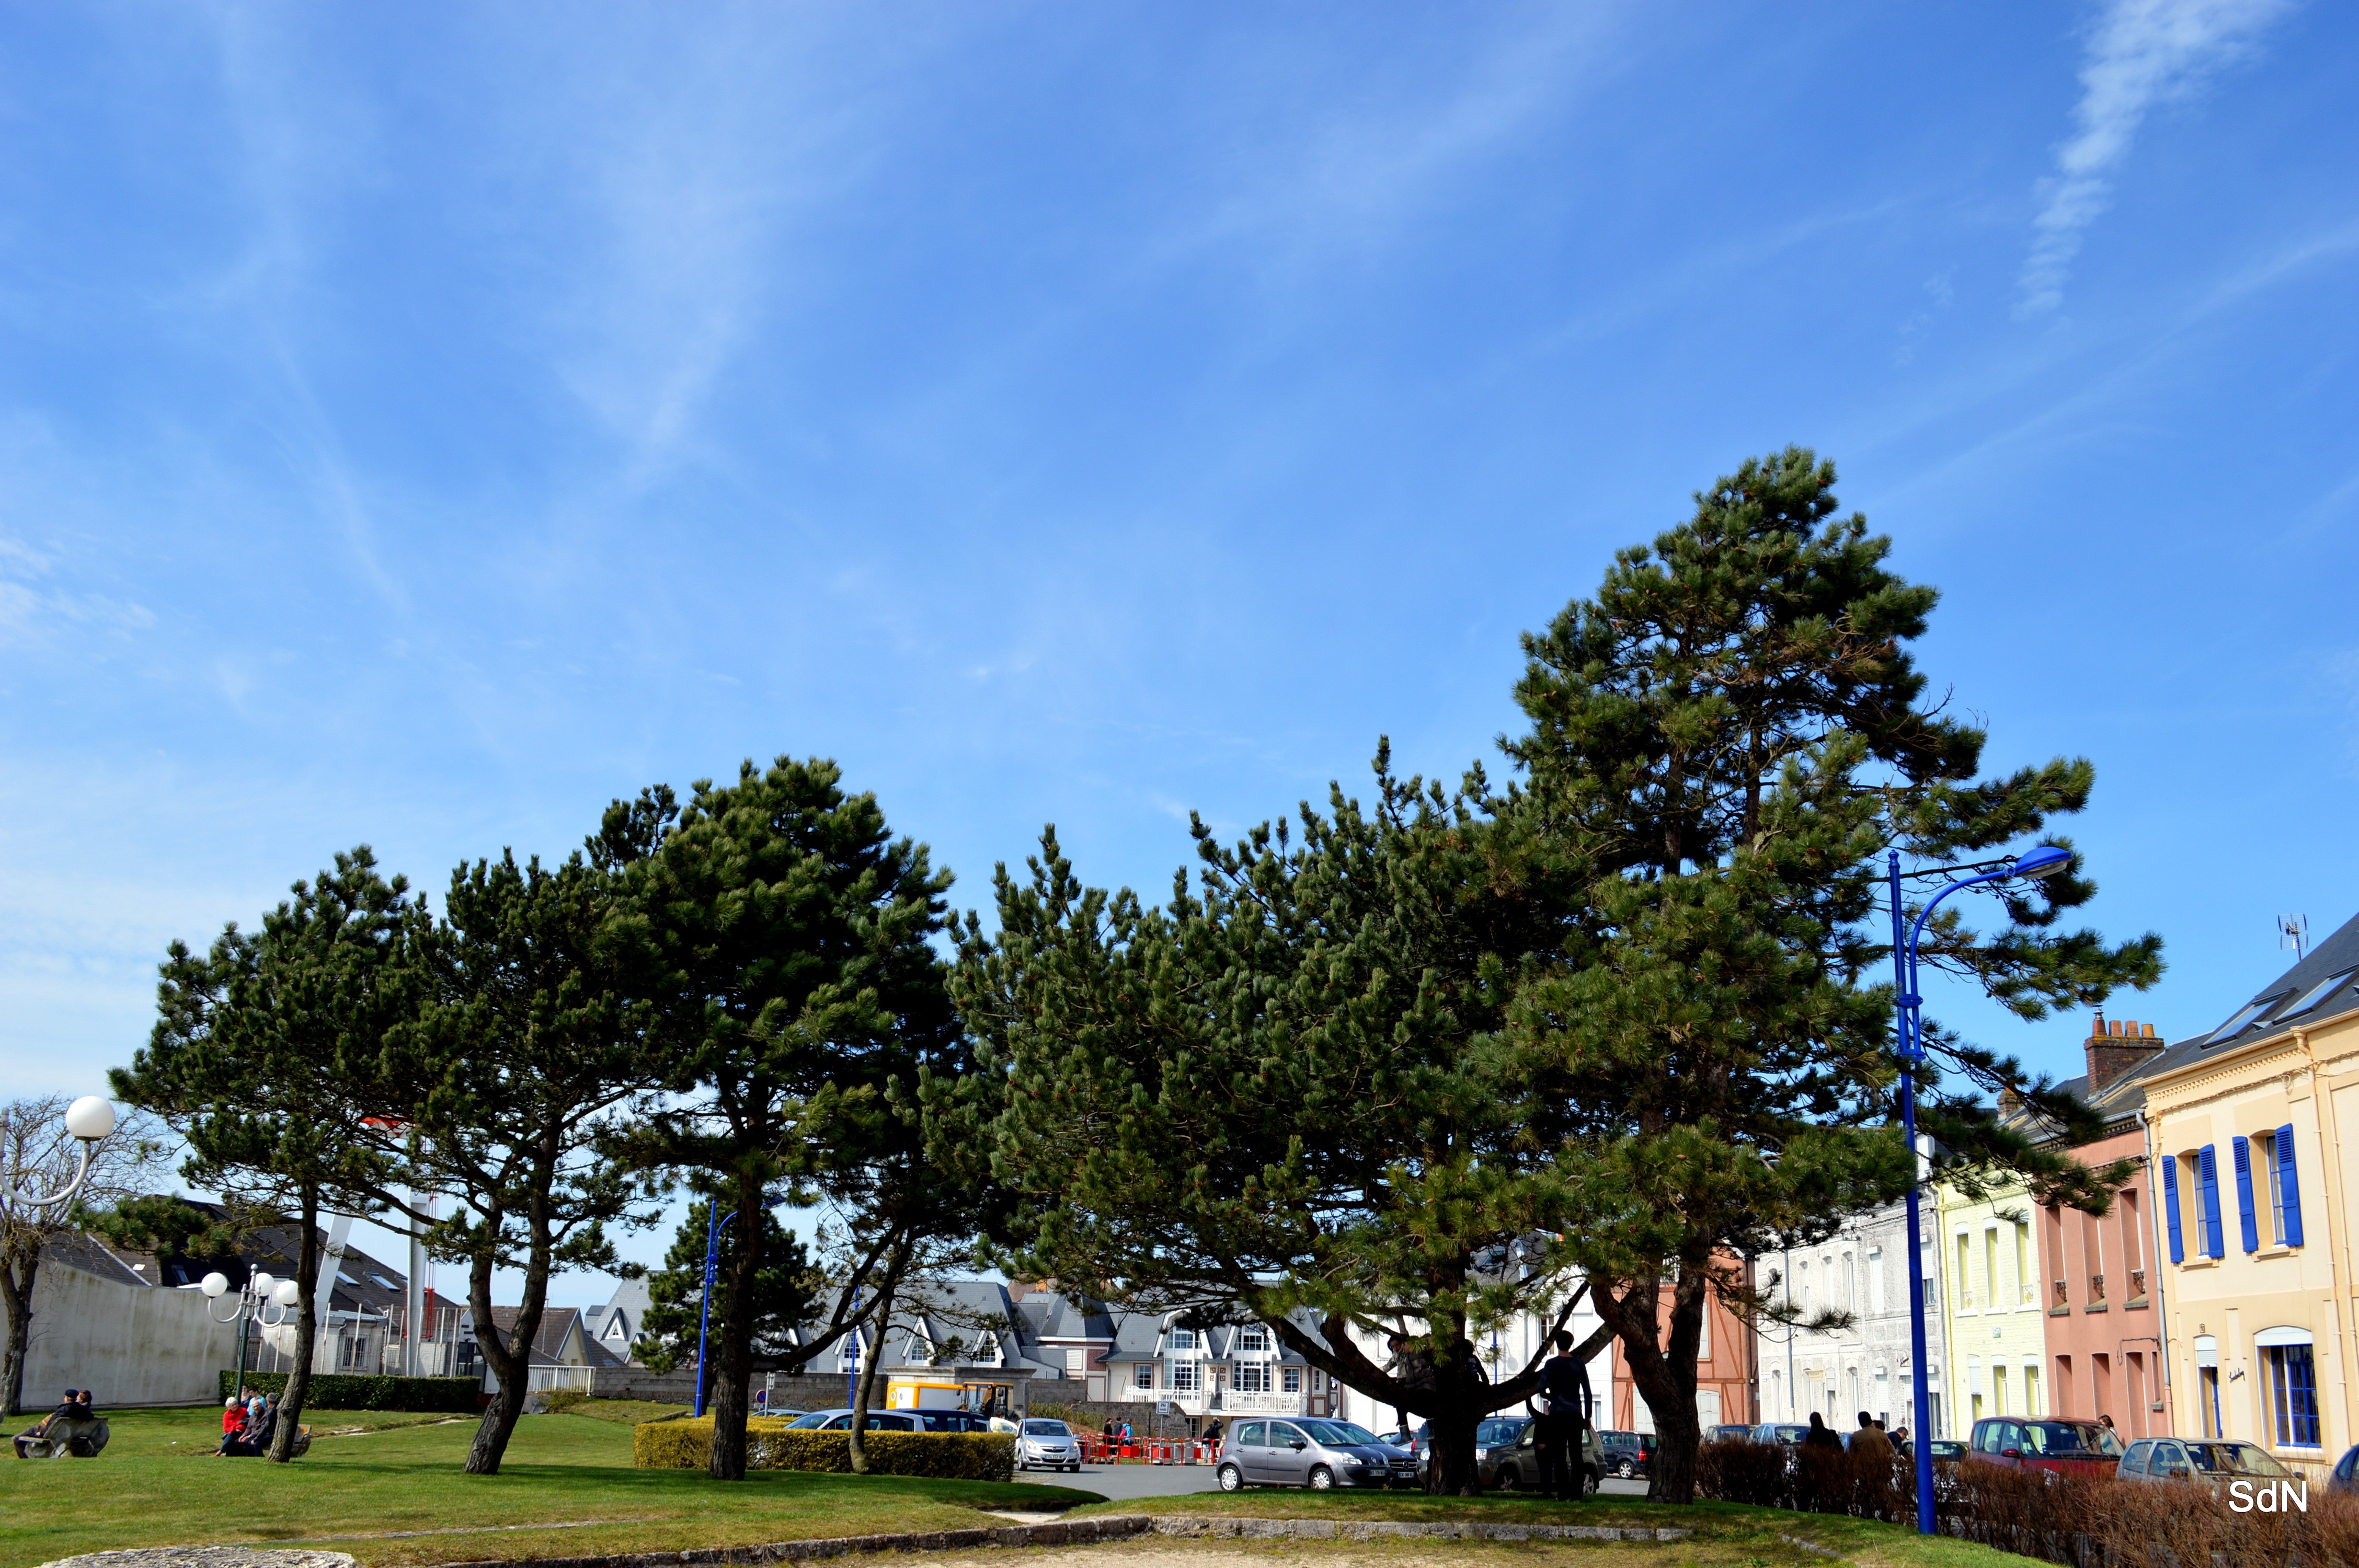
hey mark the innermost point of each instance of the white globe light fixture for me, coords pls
(89, 1118)
(262, 1284)
(214, 1285)
(288, 1292)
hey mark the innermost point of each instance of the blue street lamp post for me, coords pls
(714, 1226)
(2045, 861)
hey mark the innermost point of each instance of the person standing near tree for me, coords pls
(1564, 1390)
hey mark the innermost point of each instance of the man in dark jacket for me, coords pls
(1566, 1407)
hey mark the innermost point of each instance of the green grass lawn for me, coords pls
(566, 1488)
(1733, 1532)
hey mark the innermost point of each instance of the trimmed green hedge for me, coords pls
(352, 1391)
(945, 1456)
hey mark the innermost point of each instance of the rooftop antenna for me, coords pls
(2293, 931)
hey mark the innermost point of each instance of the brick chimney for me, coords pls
(2117, 1048)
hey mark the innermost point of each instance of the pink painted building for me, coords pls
(2099, 1279)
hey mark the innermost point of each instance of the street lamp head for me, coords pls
(287, 1293)
(262, 1282)
(214, 1285)
(2044, 861)
(89, 1119)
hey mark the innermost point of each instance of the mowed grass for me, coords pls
(566, 1488)
(1723, 1531)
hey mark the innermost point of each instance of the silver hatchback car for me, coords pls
(1309, 1451)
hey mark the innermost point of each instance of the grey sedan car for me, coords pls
(1308, 1451)
(1508, 1457)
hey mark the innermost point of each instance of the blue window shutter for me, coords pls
(2207, 1167)
(2288, 1187)
(2248, 1224)
(2170, 1207)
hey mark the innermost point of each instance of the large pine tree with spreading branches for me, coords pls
(1729, 738)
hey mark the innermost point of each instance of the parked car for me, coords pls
(1628, 1455)
(2346, 1476)
(2066, 1447)
(1952, 1448)
(1728, 1434)
(1049, 1444)
(1507, 1455)
(2212, 1462)
(1308, 1451)
(1784, 1431)
(841, 1421)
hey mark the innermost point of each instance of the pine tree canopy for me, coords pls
(1625, 1020)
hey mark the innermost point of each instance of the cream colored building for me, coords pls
(2253, 1131)
(1995, 1323)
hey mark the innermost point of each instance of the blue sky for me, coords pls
(421, 425)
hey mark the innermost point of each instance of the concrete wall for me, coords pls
(131, 1344)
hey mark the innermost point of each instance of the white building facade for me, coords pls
(1862, 1271)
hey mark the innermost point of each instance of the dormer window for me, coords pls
(1184, 1339)
(1253, 1341)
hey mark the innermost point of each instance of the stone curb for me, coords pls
(1079, 1531)
(1369, 1530)
(1057, 1532)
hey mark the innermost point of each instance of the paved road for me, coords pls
(1120, 1482)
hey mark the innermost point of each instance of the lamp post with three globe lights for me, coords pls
(2042, 862)
(255, 1298)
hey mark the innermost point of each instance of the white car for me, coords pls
(1048, 1446)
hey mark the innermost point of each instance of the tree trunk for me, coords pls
(511, 1362)
(867, 1390)
(17, 1300)
(1461, 1401)
(511, 1356)
(307, 1331)
(1665, 1375)
(735, 1363)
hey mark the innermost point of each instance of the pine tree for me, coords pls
(788, 1290)
(1729, 737)
(266, 1059)
(527, 1048)
(1286, 1089)
(787, 938)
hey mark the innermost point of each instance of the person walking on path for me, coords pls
(1870, 1438)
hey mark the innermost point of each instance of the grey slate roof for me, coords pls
(2335, 959)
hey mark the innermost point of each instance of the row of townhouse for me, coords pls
(2219, 1297)
(1196, 1370)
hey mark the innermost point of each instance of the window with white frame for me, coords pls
(1143, 1375)
(1875, 1281)
(1253, 1338)
(1184, 1339)
(1293, 1376)
(1183, 1376)
(1252, 1376)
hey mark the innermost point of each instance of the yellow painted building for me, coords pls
(1995, 1323)
(2254, 1133)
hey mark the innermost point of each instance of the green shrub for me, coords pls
(351, 1391)
(945, 1456)
(557, 1401)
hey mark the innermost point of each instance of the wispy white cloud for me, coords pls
(34, 609)
(2141, 53)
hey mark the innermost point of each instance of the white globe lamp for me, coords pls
(89, 1119)
(213, 1285)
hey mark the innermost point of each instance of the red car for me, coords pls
(2068, 1447)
